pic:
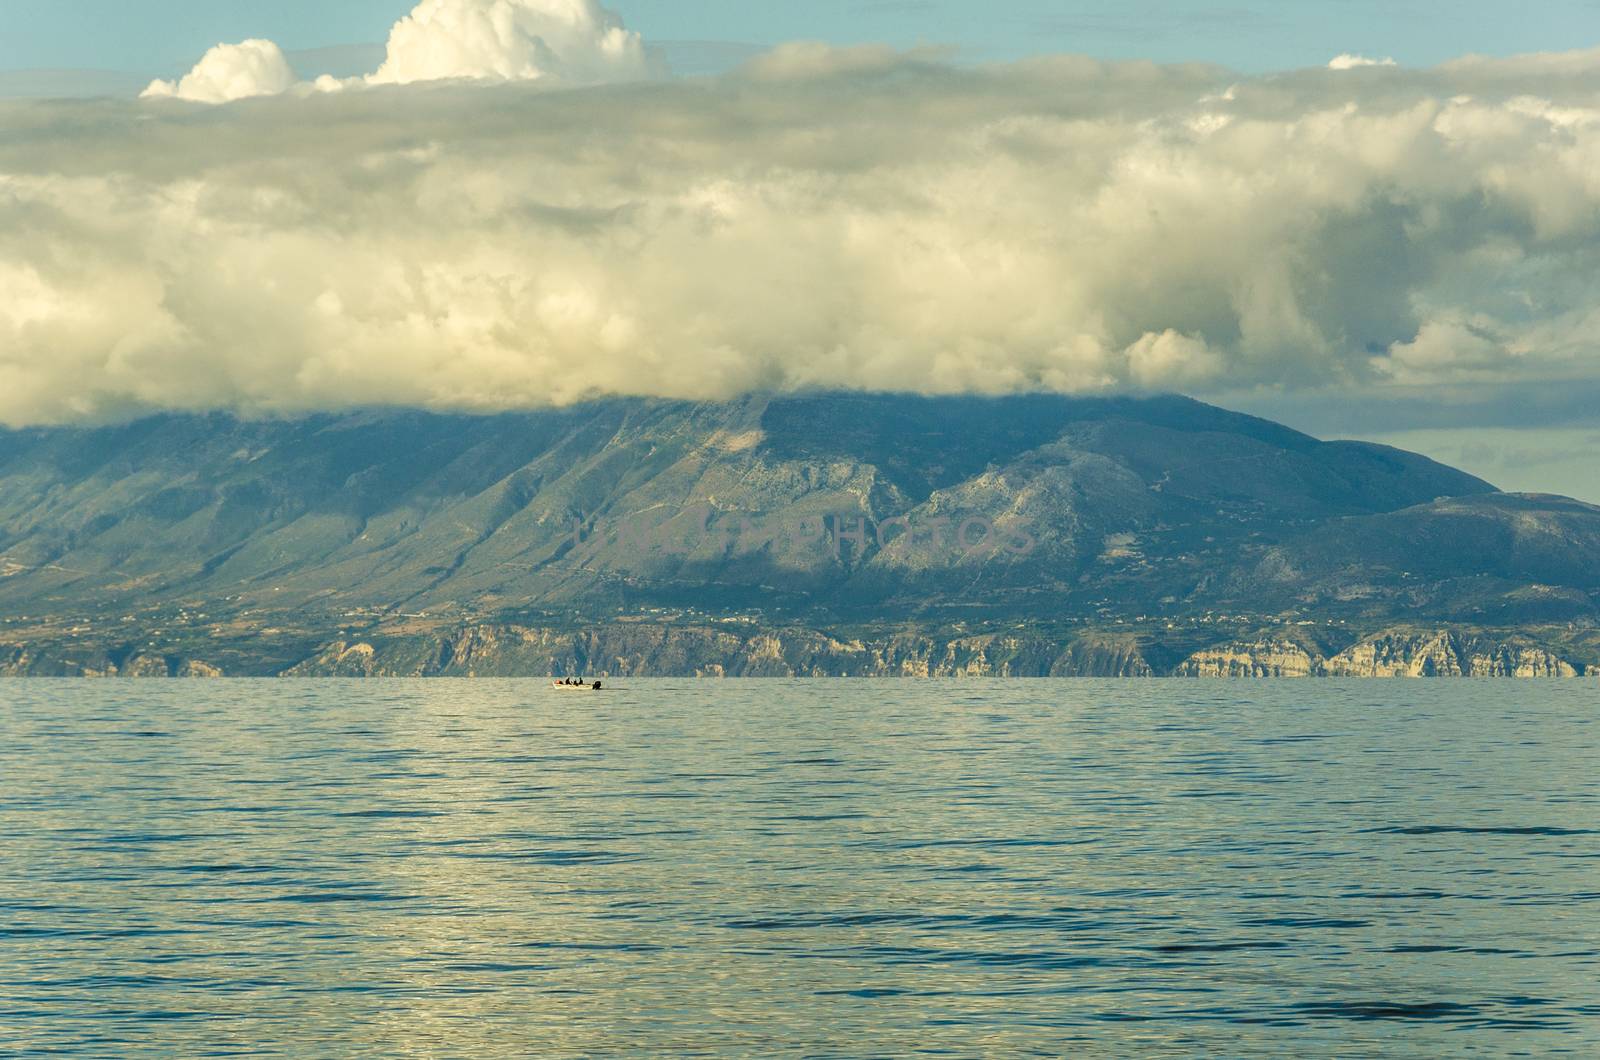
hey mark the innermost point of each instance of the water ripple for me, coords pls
(808, 869)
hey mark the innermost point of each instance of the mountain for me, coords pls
(848, 533)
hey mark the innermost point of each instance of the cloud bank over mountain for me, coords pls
(853, 218)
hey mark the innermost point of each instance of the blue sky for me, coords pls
(165, 36)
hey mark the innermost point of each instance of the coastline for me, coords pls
(712, 650)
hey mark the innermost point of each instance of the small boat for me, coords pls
(561, 686)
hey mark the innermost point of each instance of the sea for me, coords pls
(815, 868)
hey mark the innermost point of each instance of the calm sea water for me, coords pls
(827, 868)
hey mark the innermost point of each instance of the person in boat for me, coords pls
(596, 685)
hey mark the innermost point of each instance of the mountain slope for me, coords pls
(833, 510)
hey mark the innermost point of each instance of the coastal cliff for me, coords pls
(635, 650)
(1435, 653)
(496, 651)
(643, 650)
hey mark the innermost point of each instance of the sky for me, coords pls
(487, 204)
(164, 36)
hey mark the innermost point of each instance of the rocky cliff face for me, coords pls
(1434, 653)
(1444, 653)
(631, 650)
(634, 649)
(18, 661)
(1268, 657)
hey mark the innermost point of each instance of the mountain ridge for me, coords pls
(884, 514)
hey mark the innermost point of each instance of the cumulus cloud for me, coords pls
(229, 72)
(574, 42)
(1454, 348)
(849, 218)
(511, 40)
(1170, 360)
(1348, 61)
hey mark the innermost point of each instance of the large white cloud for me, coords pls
(859, 219)
(571, 42)
(511, 40)
(229, 72)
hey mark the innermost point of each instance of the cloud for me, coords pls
(697, 58)
(856, 218)
(1169, 360)
(1354, 62)
(1446, 347)
(68, 83)
(1541, 65)
(229, 72)
(511, 40)
(564, 41)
